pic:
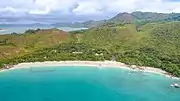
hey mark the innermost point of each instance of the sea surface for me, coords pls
(22, 29)
(85, 84)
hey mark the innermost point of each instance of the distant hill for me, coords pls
(86, 24)
(15, 44)
(138, 18)
(23, 25)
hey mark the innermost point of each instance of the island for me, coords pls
(139, 43)
(1, 29)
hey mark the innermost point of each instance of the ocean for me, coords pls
(85, 84)
(22, 29)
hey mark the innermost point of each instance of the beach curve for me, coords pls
(97, 64)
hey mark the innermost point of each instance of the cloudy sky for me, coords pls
(31, 11)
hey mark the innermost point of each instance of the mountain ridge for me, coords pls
(137, 17)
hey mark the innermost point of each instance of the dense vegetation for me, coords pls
(66, 51)
(15, 44)
(154, 44)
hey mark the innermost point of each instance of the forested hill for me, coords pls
(153, 44)
(138, 18)
(17, 44)
(141, 16)
(145, 17)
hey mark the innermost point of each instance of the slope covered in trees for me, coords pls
(153, 44)
(15, 44)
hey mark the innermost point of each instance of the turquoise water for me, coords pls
(85, 84)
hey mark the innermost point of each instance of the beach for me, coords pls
(84, 81)
(96, 64)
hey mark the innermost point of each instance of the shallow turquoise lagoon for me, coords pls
(85, 84)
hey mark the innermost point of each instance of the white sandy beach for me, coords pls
(97, 64)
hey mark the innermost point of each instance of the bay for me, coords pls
(22, 29)
(85, 84)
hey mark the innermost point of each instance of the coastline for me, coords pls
(97, 64)
(2, 30)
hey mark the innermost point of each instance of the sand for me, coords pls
(97, 64)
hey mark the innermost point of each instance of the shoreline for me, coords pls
(97, 64)
(1, 30)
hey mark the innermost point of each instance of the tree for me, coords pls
(30, 31)
(1, 64)
(14, 33)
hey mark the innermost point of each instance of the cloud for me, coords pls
(89, 6)
(8, 9)
(75, 8)
(38, 11)
(47, 6)
(163, 6)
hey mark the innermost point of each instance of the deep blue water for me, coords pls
(85, 84)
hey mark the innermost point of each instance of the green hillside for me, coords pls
(15, 44)
(152, 44)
